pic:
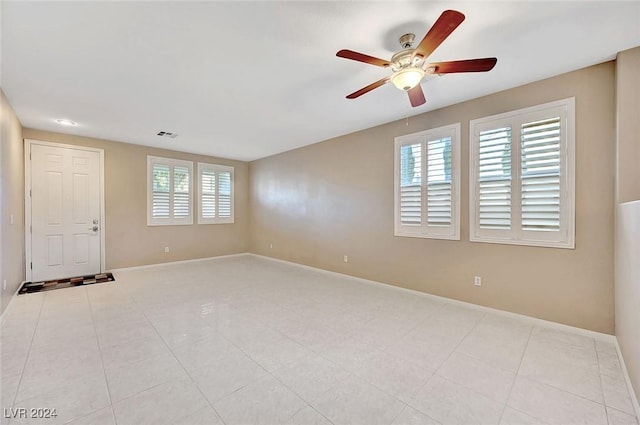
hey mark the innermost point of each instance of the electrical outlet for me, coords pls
(4, 285)
(477, 281)
(11, 219)
(346, 259)
(166, 249)
(270, 246)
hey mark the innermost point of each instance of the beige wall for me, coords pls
(11, 202)
(627, 275)
(334, 198)
(129, 241)
(628, 111)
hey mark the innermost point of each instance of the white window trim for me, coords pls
(425, 231)
(215, 167)
(517, 236)
(151, 221)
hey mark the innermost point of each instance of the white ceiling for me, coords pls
(245, 80)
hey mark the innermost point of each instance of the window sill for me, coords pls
(170, 224)
(537, 244)
(426, 236)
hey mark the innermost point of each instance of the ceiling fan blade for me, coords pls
(361, 57)
(416, 96)
(469, 65)
(368, 88)
(443, 27)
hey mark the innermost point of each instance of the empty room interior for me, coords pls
(316, 213)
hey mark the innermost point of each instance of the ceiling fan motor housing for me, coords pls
(405, 58)
(406, 40)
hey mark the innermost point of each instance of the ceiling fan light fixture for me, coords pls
(407, 78)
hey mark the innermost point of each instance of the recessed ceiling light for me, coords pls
(67, 123)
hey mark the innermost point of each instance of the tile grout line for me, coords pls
(604, 400)
(275, 329)
(560, 389)
(308, 403)
(484, 314)
(137, 361)
(350, 372)
(515, 377)
(458, 345)
(133, 298)
(319, 354)
(633, 395)
(33, 335)
(269, 373)
(104, 371)
(406, 404)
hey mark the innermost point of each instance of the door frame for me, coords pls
(27, 199)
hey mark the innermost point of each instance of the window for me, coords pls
(169, 188)
(427, 175)
(522, 176)
(215, 191)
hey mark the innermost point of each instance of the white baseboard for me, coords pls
(632, 393)
(173, 263)
(534, 320)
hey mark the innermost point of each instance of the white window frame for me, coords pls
(171, 221)
(217, 168)
(424, 230)
(565, 237)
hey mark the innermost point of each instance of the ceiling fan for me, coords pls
(410, 65)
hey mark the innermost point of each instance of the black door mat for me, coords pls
(29, 287)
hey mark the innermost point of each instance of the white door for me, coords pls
(65, 212)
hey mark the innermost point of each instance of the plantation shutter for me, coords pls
(224, 194)
(494, 187)
(208, 194)
(169, 191)
(411, 185)
(181, 195)
(439, 202)
(540, 174)
(523, 176)
(426, 174)
(215, 193)
(161, 193)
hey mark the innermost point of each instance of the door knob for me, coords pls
(94, 228)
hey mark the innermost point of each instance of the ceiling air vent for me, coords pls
(167, 134)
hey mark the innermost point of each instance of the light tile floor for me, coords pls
(245, 340)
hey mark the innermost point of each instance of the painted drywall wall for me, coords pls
(129, 241)
(627, 256)
(628, 111)
(628, 287)
(318, 203)
(11, 202)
